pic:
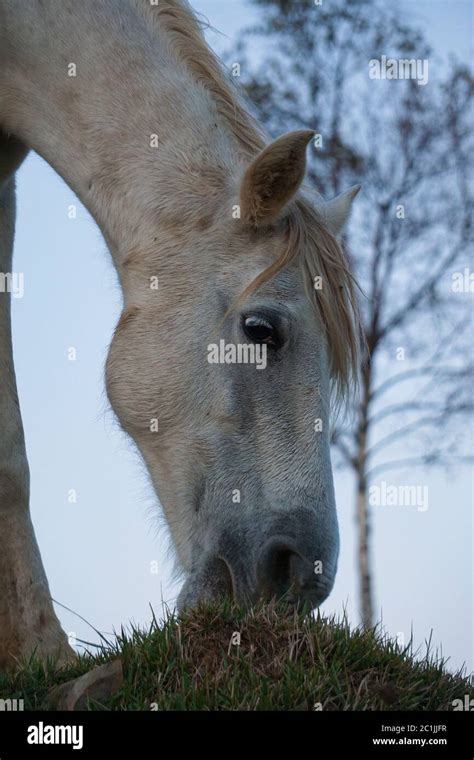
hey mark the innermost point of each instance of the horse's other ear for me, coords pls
(336, 212)
(273, 178)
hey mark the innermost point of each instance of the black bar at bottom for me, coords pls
(382, 734)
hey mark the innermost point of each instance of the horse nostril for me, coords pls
(222, 578)
(211, 581)
(280, 569)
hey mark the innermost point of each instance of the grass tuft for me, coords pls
(285, 661)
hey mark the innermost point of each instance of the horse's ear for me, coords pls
(336, 212)
(273, 178)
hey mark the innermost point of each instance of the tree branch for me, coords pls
(398, 464)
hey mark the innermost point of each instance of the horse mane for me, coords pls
(308, 239)
(184, 31)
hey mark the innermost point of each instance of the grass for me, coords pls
(285, 661)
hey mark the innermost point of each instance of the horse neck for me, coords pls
(98, 94)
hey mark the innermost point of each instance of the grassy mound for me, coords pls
(283, 662)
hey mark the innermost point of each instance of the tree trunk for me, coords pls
(365, 581)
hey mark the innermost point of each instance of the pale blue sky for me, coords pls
(98, 552)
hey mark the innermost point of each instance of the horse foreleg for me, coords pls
(28, 622)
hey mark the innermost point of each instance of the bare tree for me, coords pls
(408, 142)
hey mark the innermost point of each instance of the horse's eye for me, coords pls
(259, 329)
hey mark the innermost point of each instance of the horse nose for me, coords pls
(285, 572)
(290, 558)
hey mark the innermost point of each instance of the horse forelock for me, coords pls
(321, 257)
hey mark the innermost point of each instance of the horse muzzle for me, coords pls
(292, 560)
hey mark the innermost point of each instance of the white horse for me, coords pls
(213, 239)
